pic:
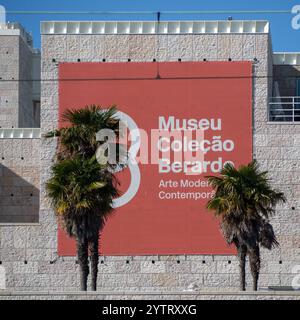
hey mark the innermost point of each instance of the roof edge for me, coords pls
(154, 27)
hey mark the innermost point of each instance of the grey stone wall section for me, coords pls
(16, 96)
(275, 146)
(9, 70)
(25, 112)
(19, 180)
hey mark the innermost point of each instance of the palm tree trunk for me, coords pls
(94, 247)
(254, 259)
(82, 253)
(242, 252)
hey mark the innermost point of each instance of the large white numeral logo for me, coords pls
(107, 136)
(132, 163)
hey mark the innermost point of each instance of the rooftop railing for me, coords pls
(284, 109)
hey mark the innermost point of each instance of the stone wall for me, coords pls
(16, 97)
(19, 180)
(275, 146)
(9, 71)
(26, 116)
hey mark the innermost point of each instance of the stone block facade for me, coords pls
(19, 180)
(16, 79)
(29, 252)
(9, 70)
(25, 112)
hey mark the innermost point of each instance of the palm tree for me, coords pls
(81, 189)
(244, 201)
(82, 192)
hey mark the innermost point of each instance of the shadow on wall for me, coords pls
(19, 199)
(286, 77)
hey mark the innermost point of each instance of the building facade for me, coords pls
(20, 75)
(29, 251)
(19, 103)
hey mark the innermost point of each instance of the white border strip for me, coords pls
(154, 27)
(288, 58)
(23, 133)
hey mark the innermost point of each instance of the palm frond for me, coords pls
(96, 185)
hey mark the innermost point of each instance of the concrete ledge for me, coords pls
(21, 224)
(129, 295)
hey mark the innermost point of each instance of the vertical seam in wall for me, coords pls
(217, 47)
(18, 119)
(230, 47)
(242, 37)
(254, 100)
(254, 103)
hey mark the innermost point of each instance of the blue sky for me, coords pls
(284, 37)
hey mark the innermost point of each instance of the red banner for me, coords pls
(166, 213)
